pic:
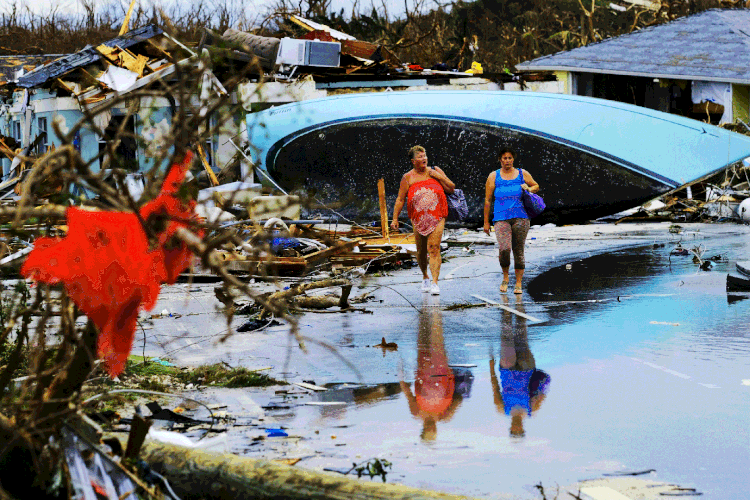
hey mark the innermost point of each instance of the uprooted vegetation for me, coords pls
(499, 34)
(49, 346)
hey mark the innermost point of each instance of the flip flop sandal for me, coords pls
(518, 290)
(504, 286)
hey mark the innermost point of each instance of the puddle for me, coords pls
(640, 363)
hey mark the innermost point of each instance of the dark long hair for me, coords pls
(506, 150)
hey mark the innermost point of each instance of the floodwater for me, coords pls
(639, 361)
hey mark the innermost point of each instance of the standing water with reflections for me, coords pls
(641, 363)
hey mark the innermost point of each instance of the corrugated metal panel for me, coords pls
(85, 57)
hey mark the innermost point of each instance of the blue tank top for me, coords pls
(508, 204)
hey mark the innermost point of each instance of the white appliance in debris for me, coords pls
(294, 52)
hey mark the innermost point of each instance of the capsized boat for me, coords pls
(592, 157)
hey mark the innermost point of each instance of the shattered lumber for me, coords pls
(196, 474)
(332, 250)
(299, 289)
(279, 265)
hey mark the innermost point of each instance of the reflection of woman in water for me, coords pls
(523, 386)
(436, 396)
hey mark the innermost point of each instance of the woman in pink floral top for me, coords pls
(425, 188)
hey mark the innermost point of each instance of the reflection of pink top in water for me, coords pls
(426, 205)
(435, 381)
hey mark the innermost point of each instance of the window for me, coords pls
(208, 149)
(17, 131)
(41, 131)
(126, 153)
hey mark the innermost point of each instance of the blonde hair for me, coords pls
(414, 150)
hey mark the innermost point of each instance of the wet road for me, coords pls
(635, 367)
(639, 362)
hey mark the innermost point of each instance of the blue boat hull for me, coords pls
(590, 156)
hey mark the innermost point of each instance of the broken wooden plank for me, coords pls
(64, 86)
(330, 251)
(383, 208)
(108, 53)
(94, 81)
(159, 49)
(276, 266)
(311, 387)
(206, 166)
(126, 21)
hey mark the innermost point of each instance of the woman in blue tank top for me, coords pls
(511, 222)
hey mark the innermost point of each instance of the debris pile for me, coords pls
(299, 249)
(719, 197)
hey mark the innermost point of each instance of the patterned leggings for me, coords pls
(512, 232)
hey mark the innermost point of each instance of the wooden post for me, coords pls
(206, 166)
(383, 208)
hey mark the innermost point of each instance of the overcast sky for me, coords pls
(252, 9)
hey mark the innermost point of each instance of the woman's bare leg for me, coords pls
(421, 242)
(519, 230)
(503, 234)
(433, 250)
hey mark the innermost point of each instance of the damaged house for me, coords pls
(696, 66)
(67, 88)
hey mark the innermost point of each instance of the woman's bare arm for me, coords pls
(489, 191)
(496, 392)
(529, 183)
(438, 174)
(402, 190)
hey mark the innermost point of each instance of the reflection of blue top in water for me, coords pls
(520, 386)
(508, 203)
(516, 389)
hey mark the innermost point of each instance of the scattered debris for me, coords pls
(311, 387)
(718, 197)
(373, 467)
(387, 346)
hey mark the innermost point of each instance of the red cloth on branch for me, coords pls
(109, 269)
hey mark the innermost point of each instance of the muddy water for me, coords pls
(639, 362)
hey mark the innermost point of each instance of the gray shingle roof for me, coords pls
(713, 45)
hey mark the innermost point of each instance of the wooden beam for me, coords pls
(64, 86)
(206, 166)
(383, 208)
(300, 23)
(159, 49)
(124, 27)
(332, 250)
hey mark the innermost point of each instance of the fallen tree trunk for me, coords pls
(299, 289)
(195, 474)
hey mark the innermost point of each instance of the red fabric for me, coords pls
(426, 205)
(108, 268)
